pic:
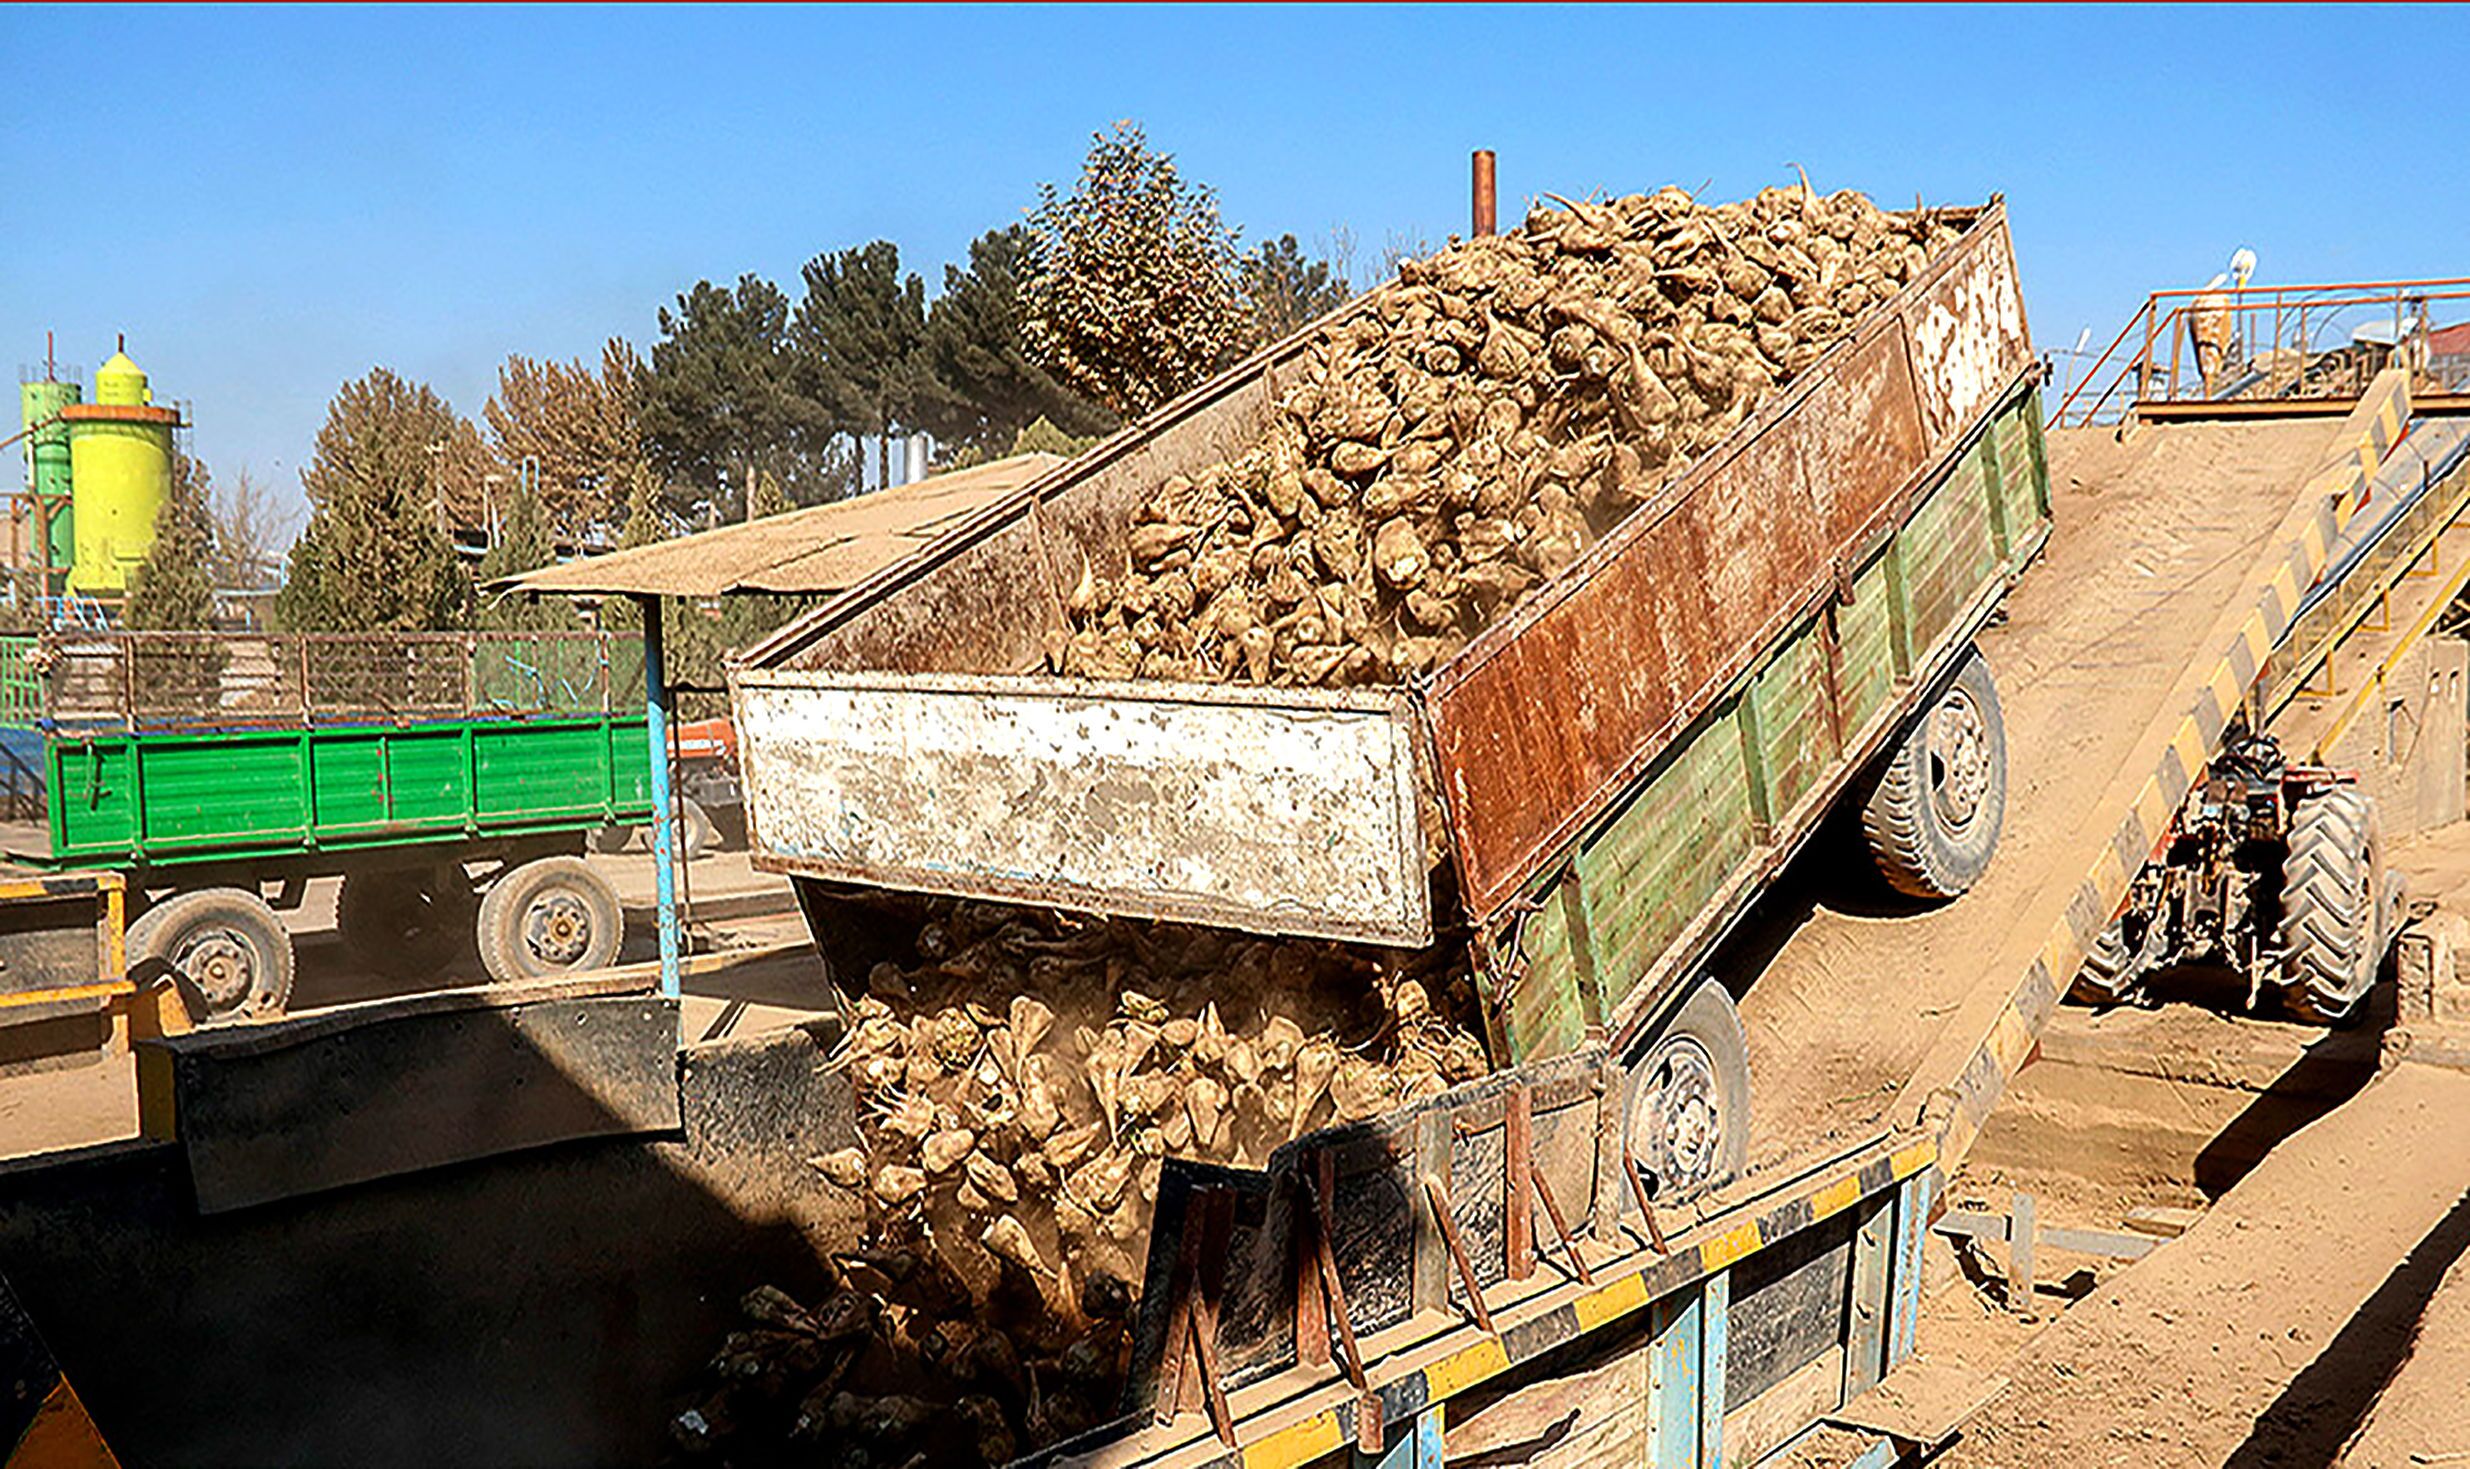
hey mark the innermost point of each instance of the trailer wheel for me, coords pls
(405, 923)
(1933, 817)
(609, 840)
(548, 917)
(225, 949)
(1689, 1098)
(2334, 912)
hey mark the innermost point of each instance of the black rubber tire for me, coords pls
(1701, 1058)
(1933, 816)
(2334, 907)
(405, 923)
(694, 829)
(550, 917)
(610, 840)
(227, 952)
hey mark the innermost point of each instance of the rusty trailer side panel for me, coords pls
(1687, 845)
(1544, 719)
(1279, 811)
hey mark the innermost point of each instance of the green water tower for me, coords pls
(47, 464)
(120, 473)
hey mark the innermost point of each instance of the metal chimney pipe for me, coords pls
(1485, 220)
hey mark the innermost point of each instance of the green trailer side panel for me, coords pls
(1797, 740)
(248, 789)
(1865, 636)
(1545, 1017)
(429, 777)
(535, 772)
(1658, 862)
(93, 796)
(245, 794)
(1948, 551)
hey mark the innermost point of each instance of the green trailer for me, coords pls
(450, 780)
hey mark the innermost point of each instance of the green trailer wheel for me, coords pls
(224, 948)
(549, 917)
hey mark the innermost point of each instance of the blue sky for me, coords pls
(272, 201)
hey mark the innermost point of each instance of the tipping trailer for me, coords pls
(1586, 796)
(213, 769)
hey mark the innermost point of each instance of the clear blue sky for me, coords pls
(272, 201)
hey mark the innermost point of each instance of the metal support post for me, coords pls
(664, 821)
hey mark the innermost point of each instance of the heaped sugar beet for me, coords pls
(1493, 412)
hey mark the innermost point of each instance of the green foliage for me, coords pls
(1134, 292)
(859, 337)
(768, 498)
(723, 401)
(173, 589)
(1039, 436)
(373, 557)
(983, 389)
(523, 544)
(1287, 290)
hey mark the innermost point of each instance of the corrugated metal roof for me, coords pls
(826, 548)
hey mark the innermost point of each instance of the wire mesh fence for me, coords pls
(173, 680)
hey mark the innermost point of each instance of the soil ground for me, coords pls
(2265, 1334)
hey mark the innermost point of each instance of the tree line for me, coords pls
(1113, 295)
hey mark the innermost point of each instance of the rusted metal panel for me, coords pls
(1544, 719)
(1283, 811)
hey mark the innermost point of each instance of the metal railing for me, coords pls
(2300, 342)
(84, 680)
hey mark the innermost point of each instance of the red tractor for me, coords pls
(2273, 869)
(703, 770)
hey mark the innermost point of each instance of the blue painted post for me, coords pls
(664, 829)
(1714, 1352)
(1673, 1421)
(1417, 1446)
(1912, 1230)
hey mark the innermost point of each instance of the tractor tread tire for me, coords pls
(2097, 979)
(2333, 908)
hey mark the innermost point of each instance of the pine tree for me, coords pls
(982, 388)
(173, 589)
(374, 556)
(522, 545)
(1287, 290)
(859, 337)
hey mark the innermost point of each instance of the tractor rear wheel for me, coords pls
(2334, 917)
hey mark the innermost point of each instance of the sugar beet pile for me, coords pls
(1499, 408)
(1020, 1074)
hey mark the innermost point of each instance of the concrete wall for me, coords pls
(540, 1307)
(2408, 746)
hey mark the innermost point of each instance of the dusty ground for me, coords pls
(2264, 1335)
(1842, 1013)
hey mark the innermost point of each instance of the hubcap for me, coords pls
(1959, 746)
(1678, 1127)
(557, 928)
(222, 965)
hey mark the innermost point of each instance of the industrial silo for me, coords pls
(47, 462)
(120, 469)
